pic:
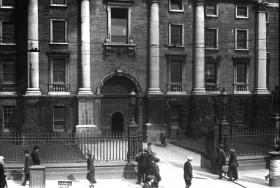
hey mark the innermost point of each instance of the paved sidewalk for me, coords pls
(171, 163)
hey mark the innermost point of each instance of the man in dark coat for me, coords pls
(155, 172)
(3, 181)
(188, 175)
(221, 161)
(139, 158)
(91, 169)
(27, 164)
(35, 156)
(232, 166)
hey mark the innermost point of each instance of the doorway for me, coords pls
(117, 123)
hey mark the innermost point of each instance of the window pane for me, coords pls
(59, 70)
(8, 32)
(59, 118)
(211, 38)
(242, 11)
(176, 71)
(176, 35)
(176, 4)
(241, 39)
(119, 25)
(210, 73)
(9, 72)
(9, 117)
(60, 2)
(8, 2)
(211, 10)
(58, 31)
(241, 69)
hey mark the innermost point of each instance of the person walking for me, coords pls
(267, 164)
(149, 149)
(221, 161)
(35, 156)
(232, 166)
(91, 169)
(188, 175)
(27, 163)
(3, 182)
(155, 172)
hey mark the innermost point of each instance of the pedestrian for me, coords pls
(3, 182)
(163, 139)
(155, 172)
(149, 149)
(232, 166)
(188, 175)
(90, 169)
(150, 180)
(35, 156)
(146, 162)
(139, 158)
(27, 163)
(221, 161)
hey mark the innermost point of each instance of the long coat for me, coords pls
(221, 158)
(233, 164)
(27, 163)
(35, 157)
(3, 182)
(188, 175)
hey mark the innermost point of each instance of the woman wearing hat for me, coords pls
(188, 172)
(232, 166)
(3, 181)
(91, 169)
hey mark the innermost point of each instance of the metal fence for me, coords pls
(69, 147)
(249, 141)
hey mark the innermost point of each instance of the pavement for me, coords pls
(172, 159)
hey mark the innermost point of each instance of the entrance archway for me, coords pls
(117, 126)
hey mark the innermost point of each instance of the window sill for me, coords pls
(58, 43)
(7, 44)
(108, 48)
(175, 46)
(59, 93)
(241, 50)
(176, 93)
(176, 11)
(212, 49)
(211, 16)
(241, 92)
(7, 7)
(59, 5)
(241, 17)
(8, 93)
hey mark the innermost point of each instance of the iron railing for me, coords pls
(176, 87)
(241, 87)
(69, 147)
(59, 87)
(212, 88)
(4, 87)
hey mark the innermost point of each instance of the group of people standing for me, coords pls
(147, 168)
(30, 159)
(232, 164)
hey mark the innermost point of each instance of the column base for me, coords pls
(199, 91)
(154, 91)
(262, 91)
(85, 91)
(33, 92)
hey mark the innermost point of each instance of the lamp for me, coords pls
(224, 98)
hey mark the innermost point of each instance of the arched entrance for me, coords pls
(115, 107)
(117, 123)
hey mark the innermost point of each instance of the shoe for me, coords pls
(230, 179)
(266, 178)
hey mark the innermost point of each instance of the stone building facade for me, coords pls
(70, 65)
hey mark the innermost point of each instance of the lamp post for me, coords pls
(130, 172)
(223, 123)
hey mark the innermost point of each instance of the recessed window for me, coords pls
(58, 75)
(211, 10)
(211, 73)
(176, 35)
(241, 39)
(7, 3)
(211, 38)
(59, 3)
(59, 118)
(58, 31)
(241, 77)
(176, 69)
(119, 25)
(176, 5)
(241, 11)
(9, 117)
(7, 80)
(7, 33)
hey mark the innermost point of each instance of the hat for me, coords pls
(190, 158)
(232, 150)
(156, 159)
(150, 177)
(35, 147)
(26, 151)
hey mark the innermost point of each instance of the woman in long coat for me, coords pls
(3, 181)
(91, 169)
(188, 175)
(232, 166)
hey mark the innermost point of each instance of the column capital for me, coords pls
(154, 1)
(199, 2)
(261, 5)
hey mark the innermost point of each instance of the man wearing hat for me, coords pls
(27, 163)
(188, 172)
(35, 155)
(221, 161)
